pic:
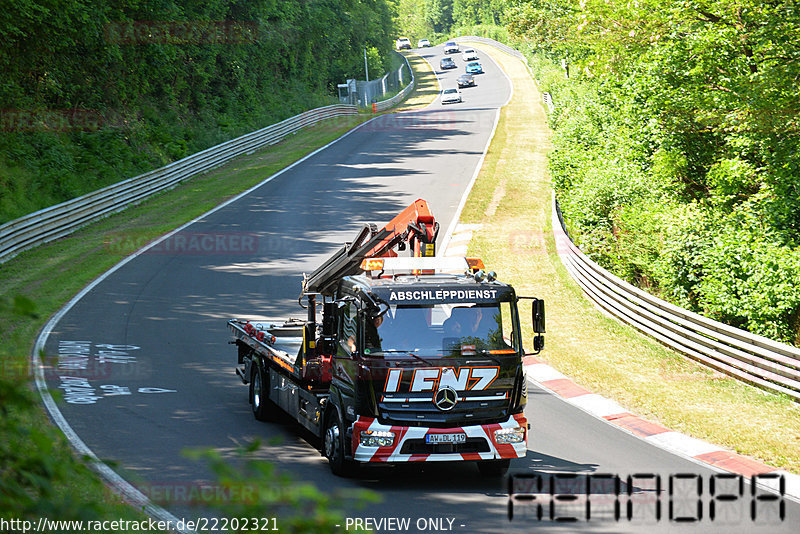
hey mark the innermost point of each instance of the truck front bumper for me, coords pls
(413, 444)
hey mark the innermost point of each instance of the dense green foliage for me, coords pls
(35, 464)
(94, 92)
(676, 139)
(438, 19)
(677, 146)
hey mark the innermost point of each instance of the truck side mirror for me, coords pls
(537, 316)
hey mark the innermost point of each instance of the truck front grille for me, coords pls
(419, 410)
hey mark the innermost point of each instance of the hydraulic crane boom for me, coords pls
(415, 225)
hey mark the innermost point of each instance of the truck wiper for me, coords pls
(486, 352)
(410, 353)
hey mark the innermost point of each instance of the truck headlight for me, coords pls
(377, 438)
(505, 436)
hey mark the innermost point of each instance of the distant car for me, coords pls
(403, 43)
(423, 43)
(469, 55)
(447, 63)
(474, 68)
(450, 47)
(451, 95)
(466, 80)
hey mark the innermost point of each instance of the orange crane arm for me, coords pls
(414, 224)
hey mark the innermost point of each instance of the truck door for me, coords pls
(345, 365)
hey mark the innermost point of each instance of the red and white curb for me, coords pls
(714, 456)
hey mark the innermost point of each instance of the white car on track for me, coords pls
(451, 95)
(450, 47)
(469, 55)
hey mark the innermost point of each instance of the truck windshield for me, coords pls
(442, 329)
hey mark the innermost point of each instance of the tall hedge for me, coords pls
(677, 146)
(97, 91)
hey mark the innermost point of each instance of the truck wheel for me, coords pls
(493, 468)
(259, 392)
(333, 445)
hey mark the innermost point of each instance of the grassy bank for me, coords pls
(512, 199)
(426, 87)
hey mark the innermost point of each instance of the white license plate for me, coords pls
(445, 438)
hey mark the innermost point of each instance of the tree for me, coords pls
(686, 106)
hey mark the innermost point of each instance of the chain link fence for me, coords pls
(365, 93)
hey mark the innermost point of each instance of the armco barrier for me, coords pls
(62, 219)
(749, 357)
(399, 97)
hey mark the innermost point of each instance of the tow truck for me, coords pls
(414, 359)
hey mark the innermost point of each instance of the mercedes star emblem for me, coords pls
(445, 398)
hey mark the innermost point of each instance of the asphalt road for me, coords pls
(145, 370)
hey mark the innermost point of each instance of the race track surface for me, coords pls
(145, 370)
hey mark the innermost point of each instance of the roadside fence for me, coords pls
(399, 97)
(751, 358)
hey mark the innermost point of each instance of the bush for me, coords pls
(674, 185)
(751, 281)
(37, 469)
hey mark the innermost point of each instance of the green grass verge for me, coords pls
(426, 86)
(511, 198)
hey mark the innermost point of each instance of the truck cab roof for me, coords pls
(429, 288)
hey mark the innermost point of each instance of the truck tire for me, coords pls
(493, 468)
(259, 393)
(333, 445)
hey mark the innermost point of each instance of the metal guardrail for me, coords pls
(399, 97)
(62, 219)
(749, 357)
